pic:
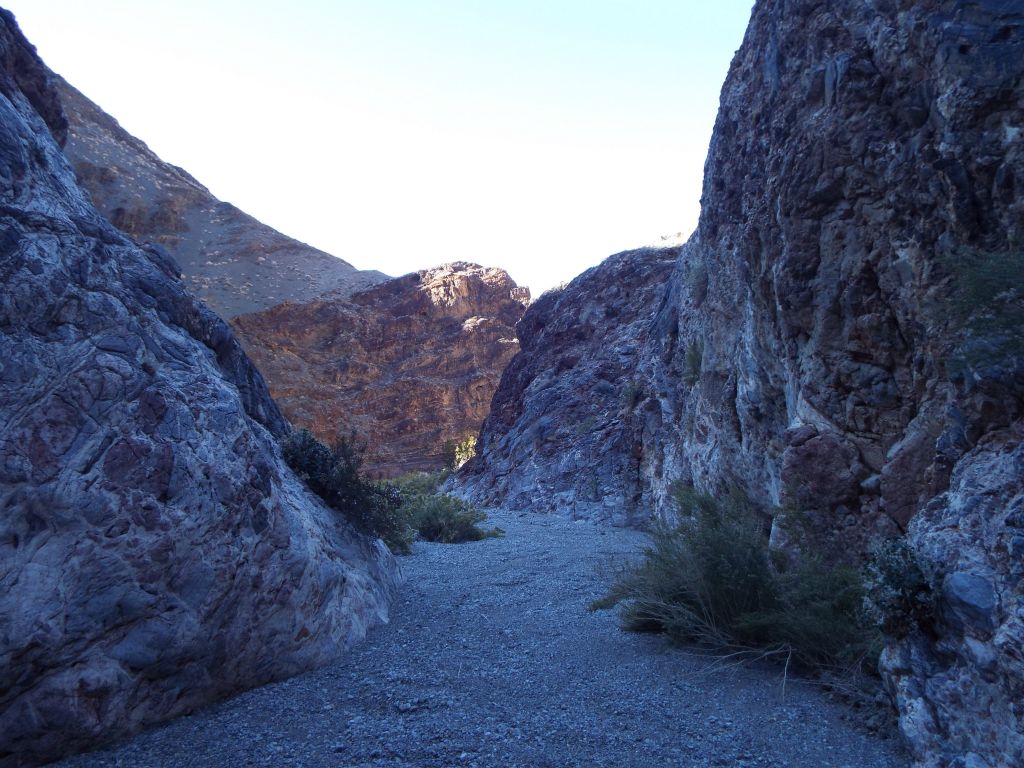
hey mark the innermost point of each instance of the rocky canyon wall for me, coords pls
(806, 344)
(155, 551)
(406, 365)
(565, 428)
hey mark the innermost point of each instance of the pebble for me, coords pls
(492, 659)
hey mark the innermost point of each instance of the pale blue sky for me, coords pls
(535, 136)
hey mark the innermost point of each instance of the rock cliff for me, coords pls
(405, 365)
(155, 551)
(807, 345)
(230, 260)
(564, 430)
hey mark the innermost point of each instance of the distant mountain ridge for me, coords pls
(233, 262)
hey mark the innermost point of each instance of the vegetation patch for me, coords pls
(437, 516)
(458, 453)
(899, 595)
(633, 394)
(395, 512)
(694, 362)
(335, 475)
(712, 582)
(987, 306)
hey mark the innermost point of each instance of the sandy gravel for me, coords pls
(492, 660)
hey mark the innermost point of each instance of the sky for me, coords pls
(537, 135)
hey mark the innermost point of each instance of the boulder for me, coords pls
(156, 553)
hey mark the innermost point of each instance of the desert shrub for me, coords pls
(465, 451)
(711, 581)
(899, 596)
(694, 361)
(697, 277)
(439, 517)
(633, 394)
(458, 453)
(986, 305)
(419, 483)
(335, 475)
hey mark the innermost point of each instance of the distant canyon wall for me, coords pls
(405, 366)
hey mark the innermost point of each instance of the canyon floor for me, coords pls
(491, 659)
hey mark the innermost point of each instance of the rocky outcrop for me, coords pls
(230, 260)
(804, 346)
(566, 423)
(155, 551)
(406, 365)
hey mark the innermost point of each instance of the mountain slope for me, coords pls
(230, 260)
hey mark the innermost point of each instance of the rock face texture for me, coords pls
(565, 427)
(230, 260)
(406, 365)
(155, 551)
(803, 345)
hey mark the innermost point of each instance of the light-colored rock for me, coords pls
(960, 677)
(156, 553)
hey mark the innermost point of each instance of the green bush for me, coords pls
(711, 581)
(335, 475)
(899, 596)
(458, 453)
(986, 305)
(439, 517)
(694, 362)
(633, 394)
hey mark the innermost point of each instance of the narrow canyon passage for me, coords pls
(492, 660)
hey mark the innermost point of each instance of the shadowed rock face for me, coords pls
(155, 551)
(230, 260)
(406, 365)
(565, 424)
(801, 345)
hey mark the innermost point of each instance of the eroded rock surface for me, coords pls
(230, 260)
(803, 346)
(155, 551)
(405, 365)
(566, 424)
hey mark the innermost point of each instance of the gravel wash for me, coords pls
(491, 659)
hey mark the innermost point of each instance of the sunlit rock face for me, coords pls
(801, 346)
(155, 552)
(406, 365)
(231, 261)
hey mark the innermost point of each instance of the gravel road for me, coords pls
(492, 660)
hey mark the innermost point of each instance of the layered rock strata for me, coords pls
(230, 260)
(155, 551)
(805, 348)
(405, 366)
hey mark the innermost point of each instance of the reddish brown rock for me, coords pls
(230, 260)
(406, 365)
